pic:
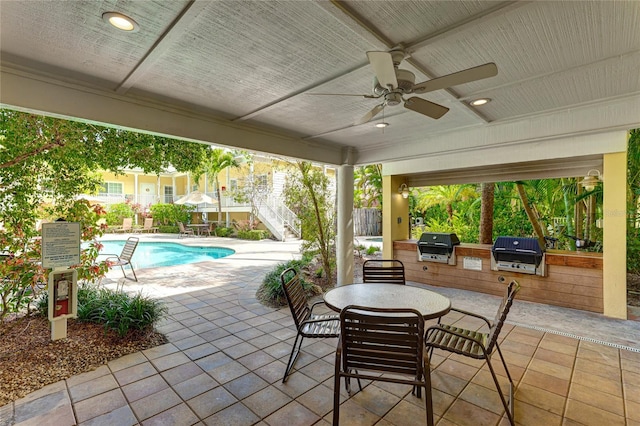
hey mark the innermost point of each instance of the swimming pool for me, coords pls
(152, 254)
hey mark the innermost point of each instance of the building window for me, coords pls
(168, 194)
(262, 182)
(233, 184)
(112, 188)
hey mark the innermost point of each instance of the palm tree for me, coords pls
(368, 186)
(214, 161)
(486, 212)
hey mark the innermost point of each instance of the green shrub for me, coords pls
(168, 229)
(223, 232)
(171, 214)
(372, 249)
(117, 212)
(254, 234)
(271, 291)
(117, 311)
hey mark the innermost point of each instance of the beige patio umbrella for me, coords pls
(195, 198)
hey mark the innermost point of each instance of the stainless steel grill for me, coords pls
(518, 254)
(437, 247)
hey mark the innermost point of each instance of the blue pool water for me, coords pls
(154, 254)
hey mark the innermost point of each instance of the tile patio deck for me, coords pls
(227, 354)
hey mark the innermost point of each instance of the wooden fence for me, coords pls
(367, 222)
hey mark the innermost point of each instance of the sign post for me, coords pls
(60, 250)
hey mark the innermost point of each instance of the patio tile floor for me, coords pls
(226, 356)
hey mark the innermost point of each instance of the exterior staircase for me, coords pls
(278, 218)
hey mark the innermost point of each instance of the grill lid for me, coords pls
(438, 240)
(517, 249)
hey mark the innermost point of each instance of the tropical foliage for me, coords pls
(213, 162)
(45, 164)
(116, 311)
(308, 195)
(633, 202)
(271, 292)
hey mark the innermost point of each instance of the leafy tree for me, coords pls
(45, 163)
(308, 195)
(213, 162)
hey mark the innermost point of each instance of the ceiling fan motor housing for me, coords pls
(393, 98)
(406, 80)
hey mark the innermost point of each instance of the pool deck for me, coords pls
(227, 353)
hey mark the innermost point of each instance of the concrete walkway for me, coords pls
(227, 354)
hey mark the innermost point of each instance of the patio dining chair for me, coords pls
(184, 231)
(383, 271)
(477, 344)
(308, 324)
(124, 258)
(382, 344)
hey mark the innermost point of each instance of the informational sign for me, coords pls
(60, 244)
(473, 263)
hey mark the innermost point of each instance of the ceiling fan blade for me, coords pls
(368, 116)
(343, 94)
(425, 107)
(382, 64)
(460, 77)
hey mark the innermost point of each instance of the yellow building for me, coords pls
(251, 191)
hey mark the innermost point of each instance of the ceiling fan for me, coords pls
(391, 84)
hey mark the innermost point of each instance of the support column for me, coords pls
(615, 235)
(344, 234)
(395, 214)
(136, 196)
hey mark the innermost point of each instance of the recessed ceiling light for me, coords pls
(481, 101)
(382, 125)
(120, 21)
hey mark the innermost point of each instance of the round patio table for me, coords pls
(429, 303)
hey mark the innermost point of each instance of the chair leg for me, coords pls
(507, 407)
(295, 351)
(336, 390)
(134, 273)
(428, 398)
(510, 412)
(347, 383)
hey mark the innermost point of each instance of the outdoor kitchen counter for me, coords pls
(572, 279)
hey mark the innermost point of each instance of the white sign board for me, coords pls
(60, 244)
(473, 263)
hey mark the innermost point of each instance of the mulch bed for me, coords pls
(29, 360)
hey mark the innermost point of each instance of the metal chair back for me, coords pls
(129, 248)
(308, 324)
(383, 271)
(501, 316)
(388, 341)
(295, 295)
